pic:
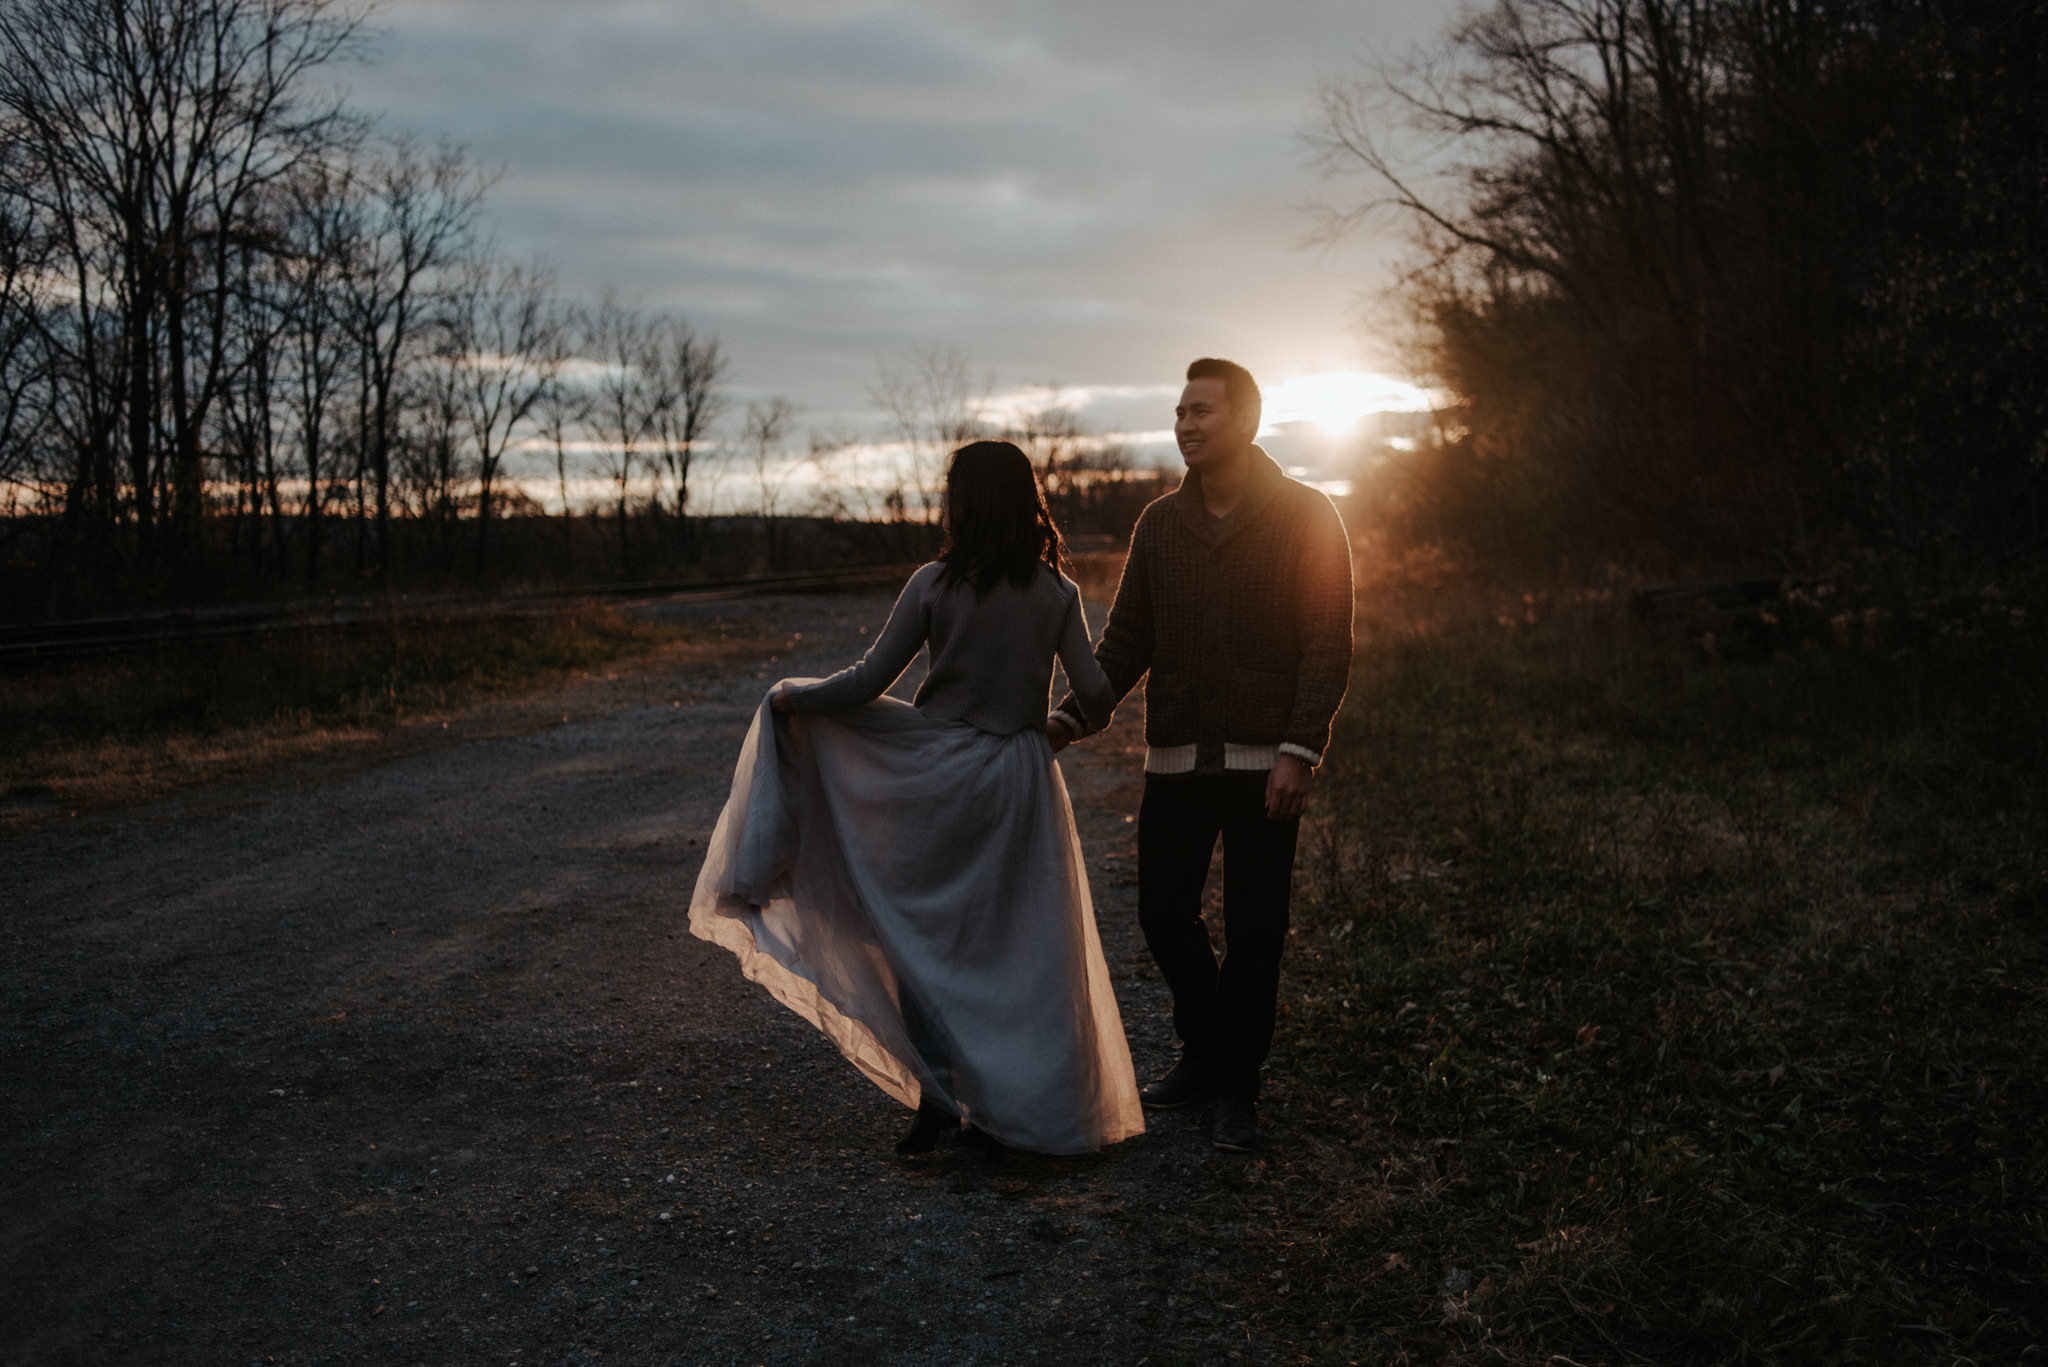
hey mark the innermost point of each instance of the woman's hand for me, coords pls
(779, 700)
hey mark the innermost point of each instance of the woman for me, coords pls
(907, 877)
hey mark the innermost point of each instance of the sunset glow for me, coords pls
(1336, 400)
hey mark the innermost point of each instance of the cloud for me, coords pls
(1072, 192)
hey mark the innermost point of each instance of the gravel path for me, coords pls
(413, 1060)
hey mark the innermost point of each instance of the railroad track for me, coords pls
(136, 632)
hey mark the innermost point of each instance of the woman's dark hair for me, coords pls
(998, 524)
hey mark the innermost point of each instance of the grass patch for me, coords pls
(1650, 1009)
(116, 727)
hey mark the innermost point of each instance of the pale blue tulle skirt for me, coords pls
(914, 888)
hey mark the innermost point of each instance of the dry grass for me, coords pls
(1651, 1009)
(97, 732)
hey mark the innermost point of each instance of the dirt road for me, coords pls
(413, 1060)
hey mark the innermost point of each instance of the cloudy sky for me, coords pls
(1072, 191)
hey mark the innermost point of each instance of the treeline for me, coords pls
(1725, 283)
(250, 343)
(245, 335)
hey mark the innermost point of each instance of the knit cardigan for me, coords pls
(991, 654)
(1244, 626)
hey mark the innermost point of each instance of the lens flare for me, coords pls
(1335, 400)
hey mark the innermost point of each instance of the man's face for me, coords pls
(1208, 427)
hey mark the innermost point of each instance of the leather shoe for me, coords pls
(1234, 1128)
(1184, 1083)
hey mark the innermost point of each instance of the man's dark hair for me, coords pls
(999, 526)
(1238, 385)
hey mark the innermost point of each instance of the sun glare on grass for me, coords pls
(1335, 400)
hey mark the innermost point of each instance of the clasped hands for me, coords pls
(1287, 785)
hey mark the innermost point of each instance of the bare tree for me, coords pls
(25, 371)
(247, 440)
(561, 409)
(323, 219)
(762, 437)
(1609, 265)
(686, 371)
(839, 490)
(1055, 438)
(155, 125)
(933, 398)
(1090, 480)
(626, 398)
(225, 307)
(431, 457)
(508, 332)
(419, 212)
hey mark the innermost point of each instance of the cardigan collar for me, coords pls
(1263, 480)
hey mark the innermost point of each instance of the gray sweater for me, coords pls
(991, 658)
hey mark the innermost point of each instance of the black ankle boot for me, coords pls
(926, 1127)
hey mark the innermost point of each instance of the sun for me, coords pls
(1336, 399)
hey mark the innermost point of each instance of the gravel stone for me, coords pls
(296, 1065)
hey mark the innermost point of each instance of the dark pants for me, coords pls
(1223, 1013)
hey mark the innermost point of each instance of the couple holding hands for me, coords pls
(907, 877)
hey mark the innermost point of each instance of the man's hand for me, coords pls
(1287, 788)
(1058, 734)
(779, 699)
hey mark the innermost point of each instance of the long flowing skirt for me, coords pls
(914, 888)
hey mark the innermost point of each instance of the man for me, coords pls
(1236, 598)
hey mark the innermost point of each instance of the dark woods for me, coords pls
(247, 339)
(1729, 284)
(250, 345)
